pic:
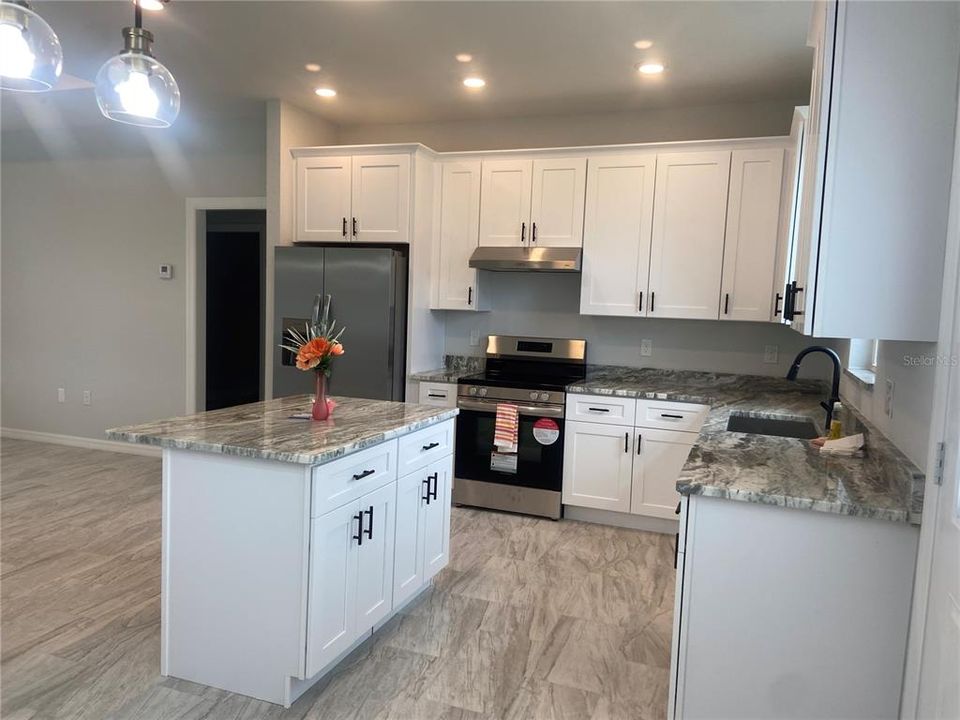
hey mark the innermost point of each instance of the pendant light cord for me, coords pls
(137, 14)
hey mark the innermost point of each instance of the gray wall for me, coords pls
(83, 232)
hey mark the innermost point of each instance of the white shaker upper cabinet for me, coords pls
(505, 202)
(381, 198)
(459, 232)
(323, 198)
(753, 223)
(689, 218)
(556, 213)
(617, 229)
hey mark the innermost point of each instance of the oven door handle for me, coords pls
(491, 407)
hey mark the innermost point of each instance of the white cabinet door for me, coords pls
(375, 557)
(689, 218)
(617, 227)
(323, 198)
(458, 235)
(660, 456)
(435, 519)
(408, 550)
(381, 198)
(597, 465)
(556, 210)
(331, 619)
(753, 223)
(787, 245)
(505, 202)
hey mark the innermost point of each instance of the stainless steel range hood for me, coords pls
(526, 259)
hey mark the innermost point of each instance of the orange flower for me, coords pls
(336, 349)
(312, 353)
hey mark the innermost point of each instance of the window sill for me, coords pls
(862, 376)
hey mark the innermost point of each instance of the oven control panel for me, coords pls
(552, 397)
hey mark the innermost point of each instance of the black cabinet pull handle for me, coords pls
(599, 409)
(426, 481)
(626, 442)
(432, 493)
(776, 304)
(365, 473)
(359, 536)
(369, 530)
(432, 445)
(676, 550)
(523, 232)
(726, 303)
(639, 442)
(793, 299)
(640, 304)
(533, 232)
(344, 227)
(677, 511)
(470, 295)
(435, 395)
(354, 227)
(653, 296)
(671, 416)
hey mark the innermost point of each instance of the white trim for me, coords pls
(665, 526)
(80, 442)
(194, 205)
(950, 299)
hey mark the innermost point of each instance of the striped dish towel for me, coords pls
(505, 429)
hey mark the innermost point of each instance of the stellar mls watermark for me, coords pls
(931, 361)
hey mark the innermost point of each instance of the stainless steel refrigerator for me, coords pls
(368, 289)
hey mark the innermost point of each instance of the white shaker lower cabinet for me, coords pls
(597, 465)
(811, 607)
(423, 528)
(628, 457)
(439, 394)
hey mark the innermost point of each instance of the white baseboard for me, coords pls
(80, 442)
(625, 520)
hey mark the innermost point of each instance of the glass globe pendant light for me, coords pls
(134, 87)
(30, 54)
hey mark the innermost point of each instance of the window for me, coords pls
(862, 360)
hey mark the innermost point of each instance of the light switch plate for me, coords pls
(771, 353)
(87, 397)
(166, 271)
(61, 395)
(474, 338)
(646, 347)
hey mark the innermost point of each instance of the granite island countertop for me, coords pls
(883, 484)
(266, 431)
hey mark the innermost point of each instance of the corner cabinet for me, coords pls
(878, 159)
(358, 198)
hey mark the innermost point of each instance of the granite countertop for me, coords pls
(883, 484)
(440, 375)
(265, 430)
(454, 367)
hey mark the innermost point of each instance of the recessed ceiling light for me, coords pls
(650, 68)
(326, 92)
(474, 82)
(464, 57)
(151, 4)
(643, 44)
(311, 67)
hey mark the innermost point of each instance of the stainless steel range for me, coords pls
(531, 373)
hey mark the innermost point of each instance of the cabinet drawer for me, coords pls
(440, 394)
(346, 479)
(424, 446)
(601, 409)
(670, 415)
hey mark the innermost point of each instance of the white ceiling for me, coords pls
(394, 61)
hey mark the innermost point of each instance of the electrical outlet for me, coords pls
(770, 353)
(87, 397)
(474, 338)
(646, 347)
(61, 395)
(888, 399)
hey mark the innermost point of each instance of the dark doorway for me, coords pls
(234, 276)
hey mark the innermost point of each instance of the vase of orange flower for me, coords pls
(315, 348)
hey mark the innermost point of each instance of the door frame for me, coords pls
(949, 308)
(195, 206)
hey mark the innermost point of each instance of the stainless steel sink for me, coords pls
(779, 427)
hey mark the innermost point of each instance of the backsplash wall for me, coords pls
(549, 305)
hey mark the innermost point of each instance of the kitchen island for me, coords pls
(288, 542)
